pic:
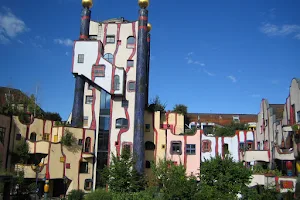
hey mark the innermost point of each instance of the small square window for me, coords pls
(90, 87)
(88, 184)
(46, 137)
(130, 63)
(83, 167)
(99, 70)
(131, 86)
(191, 149)
(80, 142)
(86, 121)
(206, 146)
(80, 58)
(176, 148)
(147, 127)
(110, 39)
(88, 99)
(124, 103)
(18, 136)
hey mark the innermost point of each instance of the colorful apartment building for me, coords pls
(65, 167)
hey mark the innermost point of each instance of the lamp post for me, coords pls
(37, 169)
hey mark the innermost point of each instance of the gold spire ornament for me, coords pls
(143, 3)
(87, 3)
(149, 27)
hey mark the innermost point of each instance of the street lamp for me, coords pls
(37, 169)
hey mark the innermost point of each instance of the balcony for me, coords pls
(250, 156)
(28, 171)
(284, 154)
(40, 147)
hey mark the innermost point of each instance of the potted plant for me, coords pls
(296, 128)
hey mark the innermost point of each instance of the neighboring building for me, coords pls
(66, 167)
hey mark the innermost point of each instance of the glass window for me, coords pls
(130, 42)
(176, 147)
(191, 149)
(85, 121)
(83, 167)
(99, 70)
(131, 86)
(206, 146)
(88, 99)
(298, 116)
(93, 37)
(88, 184)
(104, 100)
(33, 137)
(109, 57)
(124, 103)
(80, 142)
(121, 123)
(117, 82)
(80, 58)
(103, 141)
(2, 134)
(147, 127)
(104, 123)
(90, 87)
(149, 145)
(87, 145)
(46, 137)
(110, 39)
(130, 63)
(148, 164)
(102, 160)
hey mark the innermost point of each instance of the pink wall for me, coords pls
(191, 162)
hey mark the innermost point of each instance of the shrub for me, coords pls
(68, 139)
(180, 109)
(99, 195)
(76, 195)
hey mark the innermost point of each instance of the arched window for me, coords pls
(121, 123)
(130, 42)
(149, 145)
(87, 145)
(32, 137)
(148, 164)
(109, 57)
(116, 82)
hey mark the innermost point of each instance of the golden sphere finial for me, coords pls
(149, 27)
(143, 3)
(87, 3)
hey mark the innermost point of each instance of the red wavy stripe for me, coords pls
(156, 135)
(48, 164)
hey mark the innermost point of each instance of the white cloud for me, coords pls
(66, 42)
(208, 73)
(273, 30)
(10, 25)
(20, 41)
(192, 61)
(297, 36)
(255, 95)
(232, 78)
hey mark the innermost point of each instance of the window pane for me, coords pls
(110, 39)
(130, 63)
(124, 103)
(131, 86)
(89, 100)
(80, 58)
(109, 57)
(104, 123)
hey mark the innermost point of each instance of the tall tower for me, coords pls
(140, 92)
(77, 111)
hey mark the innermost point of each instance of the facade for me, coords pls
(64, 167)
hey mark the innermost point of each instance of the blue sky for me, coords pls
(214, 56)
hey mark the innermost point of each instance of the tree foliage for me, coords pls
(76, 195)
(20, 153)
(229, 130)
(53, 116)
(173, 182)
(68, 139)
(180, 109)
(223, 178)
(121, 176)
(157, 105)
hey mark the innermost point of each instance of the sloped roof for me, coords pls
(277, 110)
(221, 119)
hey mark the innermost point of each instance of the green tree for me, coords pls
(21, 152)
(68, 139)
(121, 176)
(157, 105)
(173, 182)
(223, 178)
(180, 109)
